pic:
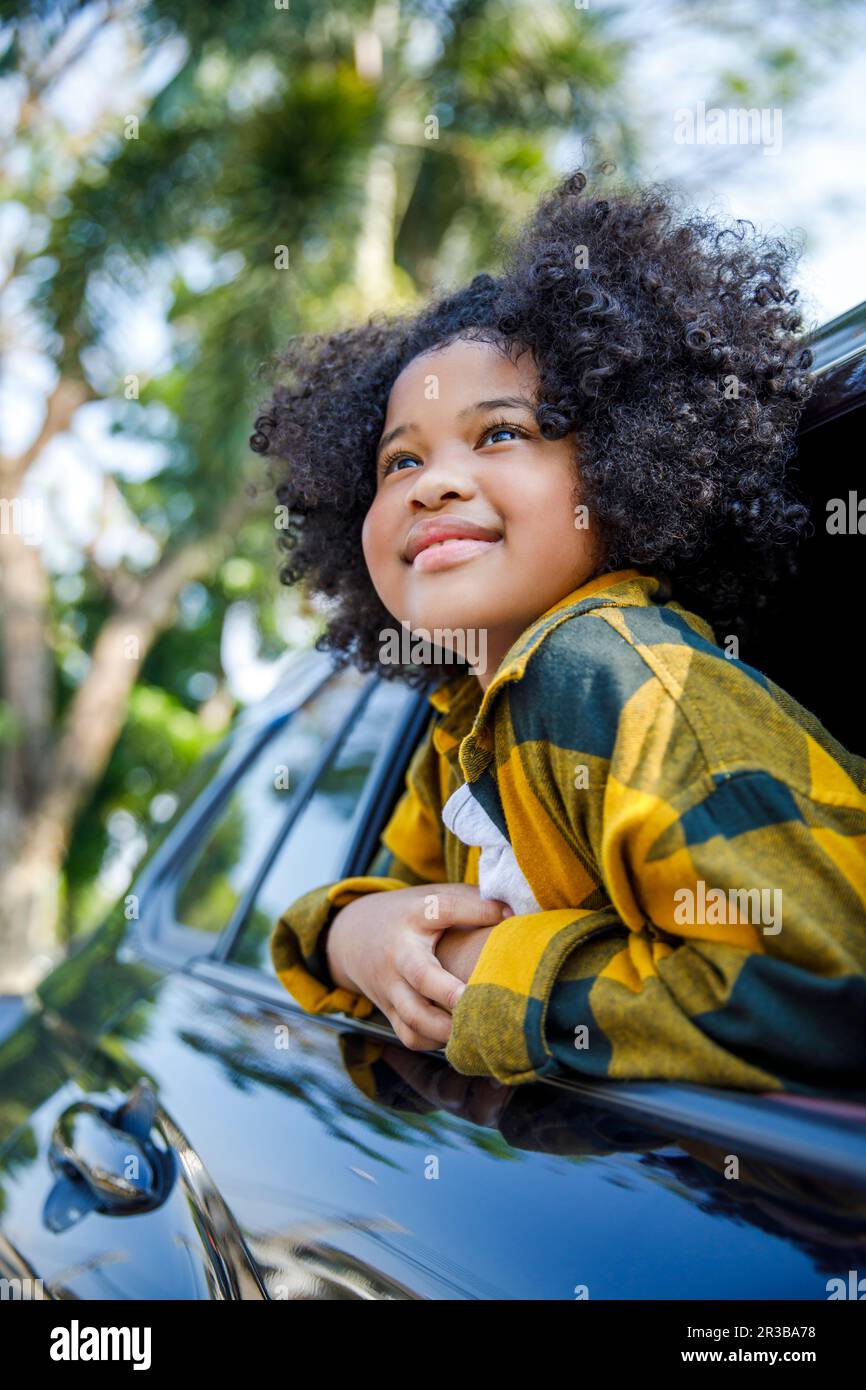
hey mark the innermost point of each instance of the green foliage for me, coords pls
(162, 741)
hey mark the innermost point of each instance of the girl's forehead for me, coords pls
(462, 365)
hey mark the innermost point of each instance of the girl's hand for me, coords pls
(383, 945)
(458, 949)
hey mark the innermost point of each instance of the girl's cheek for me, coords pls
(373, 541)
(368, 532)
(365, 545)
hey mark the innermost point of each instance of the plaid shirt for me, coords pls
(695, 840)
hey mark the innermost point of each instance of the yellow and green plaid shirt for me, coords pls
(695, 840)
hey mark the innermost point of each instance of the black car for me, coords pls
(174, 1126)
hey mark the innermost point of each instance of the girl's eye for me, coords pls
(388, 464)
(501, 427)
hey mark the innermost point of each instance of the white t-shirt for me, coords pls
(499, 874)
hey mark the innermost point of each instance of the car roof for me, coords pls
(839, 362)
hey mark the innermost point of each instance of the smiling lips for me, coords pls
(436, 545)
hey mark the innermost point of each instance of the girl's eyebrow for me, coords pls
(502, 402)
(392, 434)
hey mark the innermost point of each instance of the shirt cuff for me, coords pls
(498, 1024)
(294, 943)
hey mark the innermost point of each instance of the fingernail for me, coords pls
(458, 993)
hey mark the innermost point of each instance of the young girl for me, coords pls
(621, 850)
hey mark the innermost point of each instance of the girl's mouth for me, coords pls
(444, 554)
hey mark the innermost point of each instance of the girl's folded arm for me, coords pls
(733, 952)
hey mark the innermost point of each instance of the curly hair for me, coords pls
(665, 339)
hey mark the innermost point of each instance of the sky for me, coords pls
(816, 181)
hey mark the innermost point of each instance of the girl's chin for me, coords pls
(445, 618)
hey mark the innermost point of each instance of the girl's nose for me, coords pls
(437, 484)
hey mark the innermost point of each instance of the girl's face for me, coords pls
(473, 523)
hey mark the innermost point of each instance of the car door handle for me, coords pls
(108, 1150)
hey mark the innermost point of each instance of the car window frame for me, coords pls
(297, 806)
(296, 802)
(368, 819)
(157, 936)
(381, 790)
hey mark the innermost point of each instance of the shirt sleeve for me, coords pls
(732, 952)
(410, 852)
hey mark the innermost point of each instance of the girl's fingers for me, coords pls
(457, 907)
(421, 1017)
(431, 980)
(416, 1042)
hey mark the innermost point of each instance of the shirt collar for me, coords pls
(460, 701)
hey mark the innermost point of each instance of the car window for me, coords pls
(315, 849)
(224, 864)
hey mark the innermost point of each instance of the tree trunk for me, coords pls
(36, 840)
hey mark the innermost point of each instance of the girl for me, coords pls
(621, 851)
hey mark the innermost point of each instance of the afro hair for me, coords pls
(666, 344)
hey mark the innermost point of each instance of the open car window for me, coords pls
(316, 847)
(224, 864)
